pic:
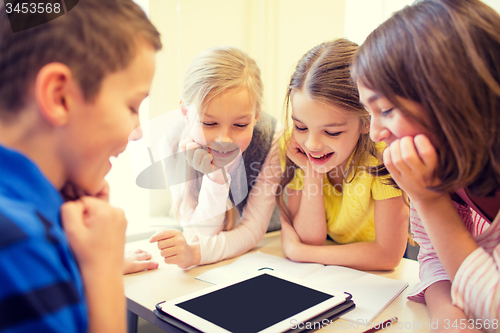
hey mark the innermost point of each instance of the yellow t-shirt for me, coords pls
(350, 208)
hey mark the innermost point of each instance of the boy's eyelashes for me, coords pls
(133, 110)
(302, 129)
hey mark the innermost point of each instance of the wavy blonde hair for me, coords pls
(211, 73)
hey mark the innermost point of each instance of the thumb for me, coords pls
(72, 217)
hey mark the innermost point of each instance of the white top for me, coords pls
(476, 287)
(206, 217)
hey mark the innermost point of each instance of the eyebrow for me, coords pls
(329, 125)
(372, 99)
(248, 115)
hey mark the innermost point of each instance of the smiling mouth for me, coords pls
(222, 151)
(320, 157)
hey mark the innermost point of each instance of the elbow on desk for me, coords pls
(312, 240)
(389, 262)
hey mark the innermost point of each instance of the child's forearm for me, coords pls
(362, 256)
(208, 214)
(310, 220)
(443, 313)
(447, 232)
(105, 298)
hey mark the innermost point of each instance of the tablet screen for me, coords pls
(254, 304)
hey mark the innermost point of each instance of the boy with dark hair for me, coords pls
(69, 94)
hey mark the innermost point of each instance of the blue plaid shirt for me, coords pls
(41, 288)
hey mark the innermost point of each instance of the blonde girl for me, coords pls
(225, 157)
(334, 176)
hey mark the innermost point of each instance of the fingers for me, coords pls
(426, 151)
(202, 161)
(176, 240)
(145, 265)
(172, 251)
(396, 158)
(408, 155)
(183, 143)
(163, 234)
(138, 260)
(72, 217)
(142, 256)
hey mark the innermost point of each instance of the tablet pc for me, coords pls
(264, 302)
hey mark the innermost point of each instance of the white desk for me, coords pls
(145, 289)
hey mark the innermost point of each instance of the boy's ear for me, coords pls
(51, 92)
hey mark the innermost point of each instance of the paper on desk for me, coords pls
(250, 263)
(371, 293)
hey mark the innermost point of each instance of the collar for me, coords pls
(22, 180)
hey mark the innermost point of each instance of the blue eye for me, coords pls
(333, 134)
(300, 129)
(386, 112)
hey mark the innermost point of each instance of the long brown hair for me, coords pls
(323, 73)
(444, 55)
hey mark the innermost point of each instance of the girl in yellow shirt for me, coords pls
(334, 179)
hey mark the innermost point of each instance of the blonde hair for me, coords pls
(212, 72)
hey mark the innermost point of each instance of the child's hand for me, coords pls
(412, 163)
(299, 157)
(175, 249)
(138, 260)
(197, 157)
(290, 240)
(201, 160)
(96, 233)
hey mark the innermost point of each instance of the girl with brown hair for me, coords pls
(334, 179)
(430, 79)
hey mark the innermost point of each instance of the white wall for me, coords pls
(276, 33)
(363, 16)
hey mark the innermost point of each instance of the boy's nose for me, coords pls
(136, 134)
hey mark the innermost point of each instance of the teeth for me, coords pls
(319, 156)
